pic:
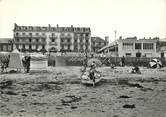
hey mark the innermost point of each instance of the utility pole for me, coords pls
(115, 46)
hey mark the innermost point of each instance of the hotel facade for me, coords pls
(52, 39)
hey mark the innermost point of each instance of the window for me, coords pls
(43, 40)
(17, 40)
(53, 40)
(23, 33)
(37, 40)
(30, 34)
(68, 34)
(62, 34)
(148, 46)
(37, 34)
(17, 34)
(99, 43)
(137, 45)
(86, 47)
(30, 39)
(30, 47)
(68, 47)
(93, 43)
(127, 46)
(68, 40)
(138, 54)
(87, 40)
(75, 47)
(4, 47)
(43, 47)
(62, 47)
(23, 46)
(87, 34)
(128, 54)
(75, 40)
(81, 40)
(9, 47)
(53, 34)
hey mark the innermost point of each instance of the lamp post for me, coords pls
(115, 46)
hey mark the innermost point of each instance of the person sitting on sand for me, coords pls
(136, 70)
(92, 71)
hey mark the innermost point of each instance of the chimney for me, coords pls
(49, 25)
(107, 38)
(120, 37)
(57, 26)
(71, 26)
(15, 25)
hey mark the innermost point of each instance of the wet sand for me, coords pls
(59, 92)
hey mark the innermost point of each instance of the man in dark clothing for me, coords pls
(123, 61)
(24, 62)
(28, 60)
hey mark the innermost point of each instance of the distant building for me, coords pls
(161, 47)
(52, 39)
(97, 43)
(132, 47)
(6, 44)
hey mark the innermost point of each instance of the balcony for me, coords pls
(53, 37)
(81, 43)
(62, 36)
(38, 36)
(31, 43)
(69, 36)
(53, 43)
(30, 36)
(75, 43)
(87, 43)
(21, 36)
(65, 43)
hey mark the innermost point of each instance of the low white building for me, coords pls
(131, 47)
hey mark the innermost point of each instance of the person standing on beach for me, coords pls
(28, 60)
(123, 61)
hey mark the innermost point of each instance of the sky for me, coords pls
(141, 18)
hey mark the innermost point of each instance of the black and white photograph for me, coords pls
(82, 58)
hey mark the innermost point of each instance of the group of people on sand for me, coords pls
(135, 69)
(5, 63)
(26, 63)
(92, 68)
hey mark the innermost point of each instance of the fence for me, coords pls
(129, 61)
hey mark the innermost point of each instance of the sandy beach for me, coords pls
(59, 93)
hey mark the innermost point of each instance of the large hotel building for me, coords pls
(52, 39)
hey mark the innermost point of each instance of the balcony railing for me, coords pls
(31, 36)
(53, 43)
(81, 43)
(31, 43)
(65, 43)
(65, 36)
(87, 43)
(53, 37)
(75, 43)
